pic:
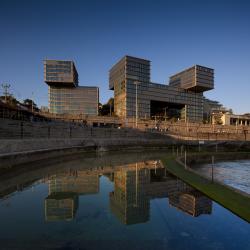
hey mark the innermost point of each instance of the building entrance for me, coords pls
(165, 110)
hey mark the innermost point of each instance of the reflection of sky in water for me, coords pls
(137, 206)
(235, 174)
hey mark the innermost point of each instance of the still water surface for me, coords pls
(232, 173)
(126, 201)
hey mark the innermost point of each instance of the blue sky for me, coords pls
(95, 34)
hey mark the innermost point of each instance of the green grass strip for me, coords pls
(227, 197)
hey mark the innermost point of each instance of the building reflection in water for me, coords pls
(61, 206)
(134, 186)
(64, 191)
(129, 200)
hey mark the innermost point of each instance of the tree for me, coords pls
(30, 104)
(10, 99)
(107, 108)
(99, 108)
(111, 102)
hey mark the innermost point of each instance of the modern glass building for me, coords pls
(79, 100)
(196, 79)
(65, 96)
(60, 73)
(135, 94)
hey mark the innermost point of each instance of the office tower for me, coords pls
(65, 96)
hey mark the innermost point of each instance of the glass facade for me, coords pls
(80, 100)
(65, 96)
(130, 80)
(60, 72)
(196, 78)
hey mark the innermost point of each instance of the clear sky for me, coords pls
(95, 34)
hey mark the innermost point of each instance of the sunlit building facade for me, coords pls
(134, 91)
(79, 100)
(60, 73)
(65, 96)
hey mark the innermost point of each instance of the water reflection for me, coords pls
(135, 184)
(129, 201)
(64, 189)
(125, 201)
(61, 206)
(191, 202)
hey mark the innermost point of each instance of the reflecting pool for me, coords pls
(111, 201)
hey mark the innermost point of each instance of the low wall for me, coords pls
(14, 152)
(13, 129)
(21, 142)
(16, 129)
